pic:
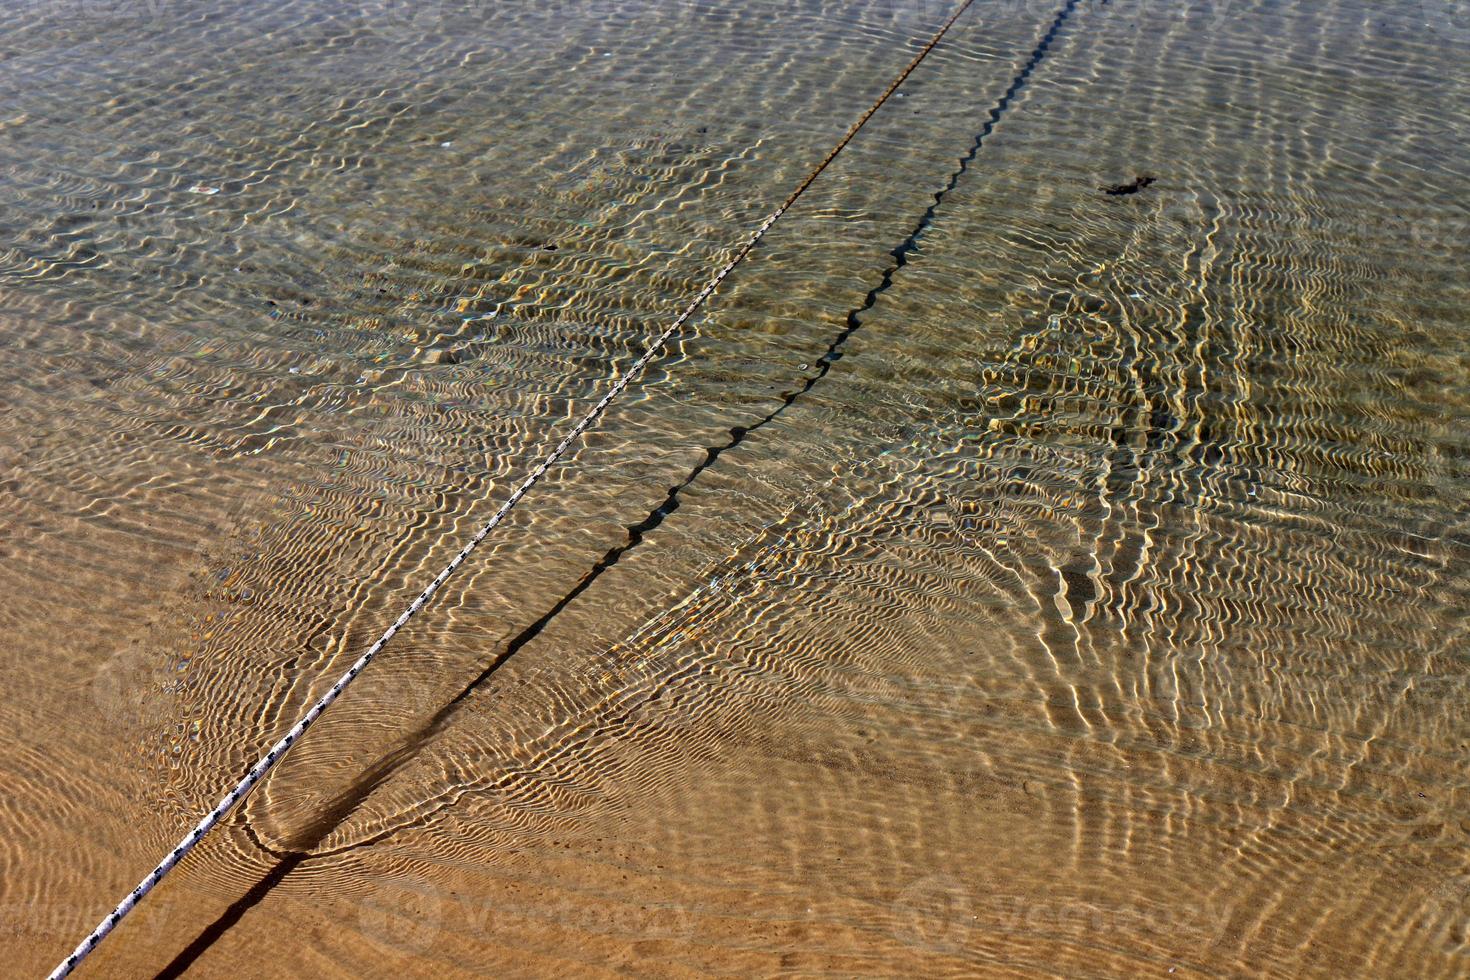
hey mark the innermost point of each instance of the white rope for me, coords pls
(258, 771)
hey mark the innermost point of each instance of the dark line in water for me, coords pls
(181, 963)
(342, 806)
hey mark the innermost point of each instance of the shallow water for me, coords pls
(1099, 609)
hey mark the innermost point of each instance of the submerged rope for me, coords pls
(258, 771)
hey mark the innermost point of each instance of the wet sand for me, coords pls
(1098, 611)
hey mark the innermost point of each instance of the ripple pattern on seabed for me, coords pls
(1101, 611)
